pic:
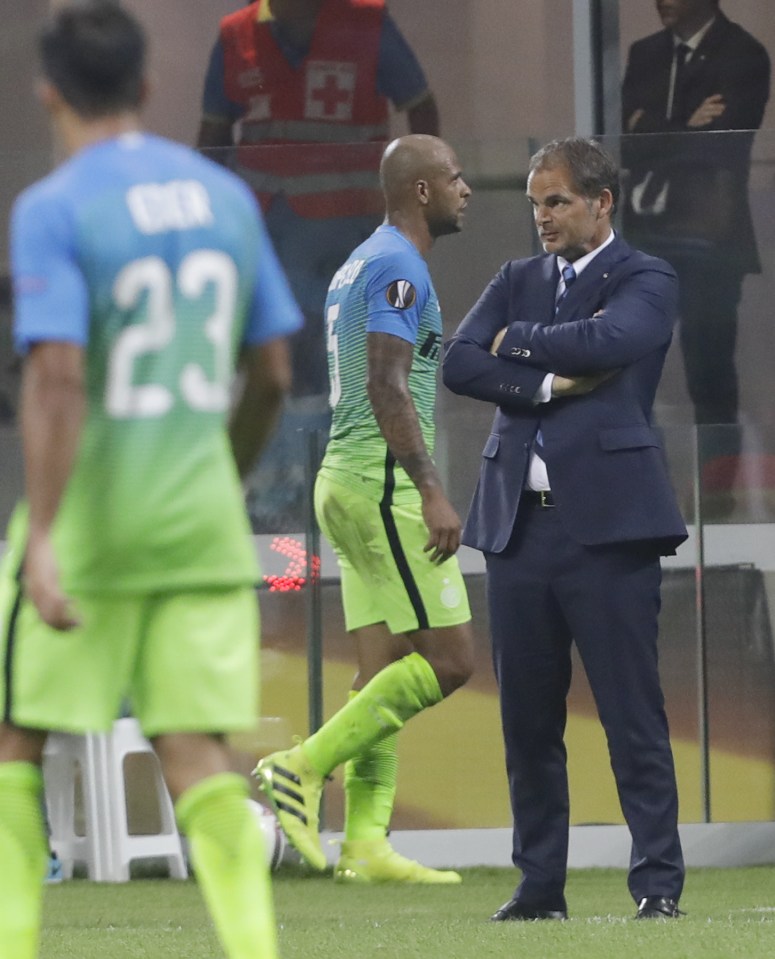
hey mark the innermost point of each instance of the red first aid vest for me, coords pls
(330, 101)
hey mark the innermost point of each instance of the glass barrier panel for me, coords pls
(716, 649)
(735, 598)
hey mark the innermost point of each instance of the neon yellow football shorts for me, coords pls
(386, 576)
(185, 661)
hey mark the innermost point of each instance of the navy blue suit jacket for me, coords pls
(604, 456)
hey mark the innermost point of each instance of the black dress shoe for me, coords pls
(658, 907)
(526, 911)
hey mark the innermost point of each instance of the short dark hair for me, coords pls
(591, 167)
(93, 52)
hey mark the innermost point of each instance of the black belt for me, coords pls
(541, 498)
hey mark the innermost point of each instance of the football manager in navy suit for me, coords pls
(572, 511)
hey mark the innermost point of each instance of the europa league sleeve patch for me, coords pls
(401, 294)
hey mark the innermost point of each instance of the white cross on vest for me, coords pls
(330, 90)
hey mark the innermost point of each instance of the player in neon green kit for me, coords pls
(141, 273)
(380, 502)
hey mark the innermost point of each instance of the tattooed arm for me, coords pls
(389, 362)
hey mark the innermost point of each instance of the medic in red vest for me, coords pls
(330, 97)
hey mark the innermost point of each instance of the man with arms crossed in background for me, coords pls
(141, 271)
(688, 197)
(380, 502)
(572, 511)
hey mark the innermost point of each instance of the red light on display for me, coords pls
(294, 578)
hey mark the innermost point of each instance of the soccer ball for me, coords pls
(274, 837)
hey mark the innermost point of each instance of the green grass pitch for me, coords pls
(729, 913)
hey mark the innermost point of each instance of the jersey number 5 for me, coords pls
(332, 315)
(151, 277)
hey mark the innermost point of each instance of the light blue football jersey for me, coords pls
(155, 261)
(383, 287)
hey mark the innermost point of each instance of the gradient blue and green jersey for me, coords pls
(384, 287)
(154, 261)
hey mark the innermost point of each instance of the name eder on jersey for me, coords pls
(175, 205)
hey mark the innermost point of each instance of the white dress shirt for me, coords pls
(537, 477)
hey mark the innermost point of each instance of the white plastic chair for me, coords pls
(64, 757)
(106, 847)
(125, 740)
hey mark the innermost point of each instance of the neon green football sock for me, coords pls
(24, 858)
(386, 702)
(370, 781)
(227, 850)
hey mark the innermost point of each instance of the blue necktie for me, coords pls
(569, 277)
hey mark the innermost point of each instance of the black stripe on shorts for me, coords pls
(10, 646)
(396, 548)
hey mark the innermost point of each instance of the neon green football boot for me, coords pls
(376, 861)
(293, 789)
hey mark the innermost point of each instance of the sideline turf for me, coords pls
(730, 913)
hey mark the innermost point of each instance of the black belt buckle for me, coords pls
(540, 498)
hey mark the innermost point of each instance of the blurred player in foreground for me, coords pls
(380, 502)
(141, 272)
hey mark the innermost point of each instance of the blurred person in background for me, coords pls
(302, 88)
(687, 195)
